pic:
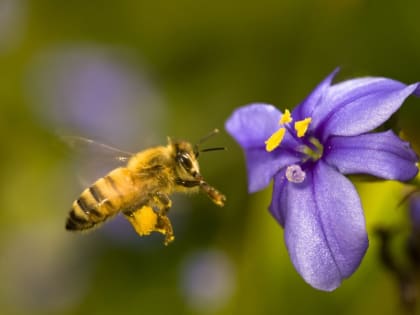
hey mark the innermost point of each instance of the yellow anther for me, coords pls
(285, 118)
(301, 126)
(144, 220)
(275, 140)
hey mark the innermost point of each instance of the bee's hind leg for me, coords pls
(164, 226)
(153, 217)
(144, 220)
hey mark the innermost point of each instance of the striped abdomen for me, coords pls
(105, 198)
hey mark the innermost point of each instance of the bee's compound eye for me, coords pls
(185, 160)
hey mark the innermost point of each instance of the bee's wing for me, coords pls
(87, 146)
(95, 159)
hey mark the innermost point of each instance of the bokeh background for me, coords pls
(129, 73)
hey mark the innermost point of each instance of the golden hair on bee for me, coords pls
(141, 189)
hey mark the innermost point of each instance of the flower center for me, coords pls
(313, 152)
(300, 127)
(311, 148)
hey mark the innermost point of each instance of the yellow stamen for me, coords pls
(301, 126)
(275, 140)
(144, 220)
(286, 117)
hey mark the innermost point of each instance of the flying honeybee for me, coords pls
(141, 189)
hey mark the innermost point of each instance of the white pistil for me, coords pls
(295, 174)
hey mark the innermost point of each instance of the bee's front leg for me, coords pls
(217, 197)
(187, 183)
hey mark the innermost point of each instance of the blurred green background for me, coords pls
(129, 73)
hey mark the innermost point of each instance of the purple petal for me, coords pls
(324, 227)
(306, 108)
(380, 154)
(262, 166)
(415, 211)
(253, 124)
(417, 91)
(348, 91)
(279, 197)
(358, 106)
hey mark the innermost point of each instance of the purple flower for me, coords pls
(308, 152)
(415, 212)
(413, 244)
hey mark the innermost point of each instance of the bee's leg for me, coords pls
(217, 197)
(163, 202)
(144, 220)
(164, 225)
(188, 183)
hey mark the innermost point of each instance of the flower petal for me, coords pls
(358, 106)
(380, 154)
(306, 108)
(345, 92)
(263, 165)
(324, 227)
(278, 204)
(252, 125)
(415, 212)
(417, 91)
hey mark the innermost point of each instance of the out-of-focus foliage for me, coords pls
(129, 73)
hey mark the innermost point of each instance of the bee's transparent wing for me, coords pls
(94, 159)
(85, 146)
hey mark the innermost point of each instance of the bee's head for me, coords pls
(186, 157)
(187, 167)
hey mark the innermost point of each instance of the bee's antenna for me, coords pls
(205, 138)
(213, 149)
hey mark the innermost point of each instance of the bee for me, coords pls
(141, 189)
